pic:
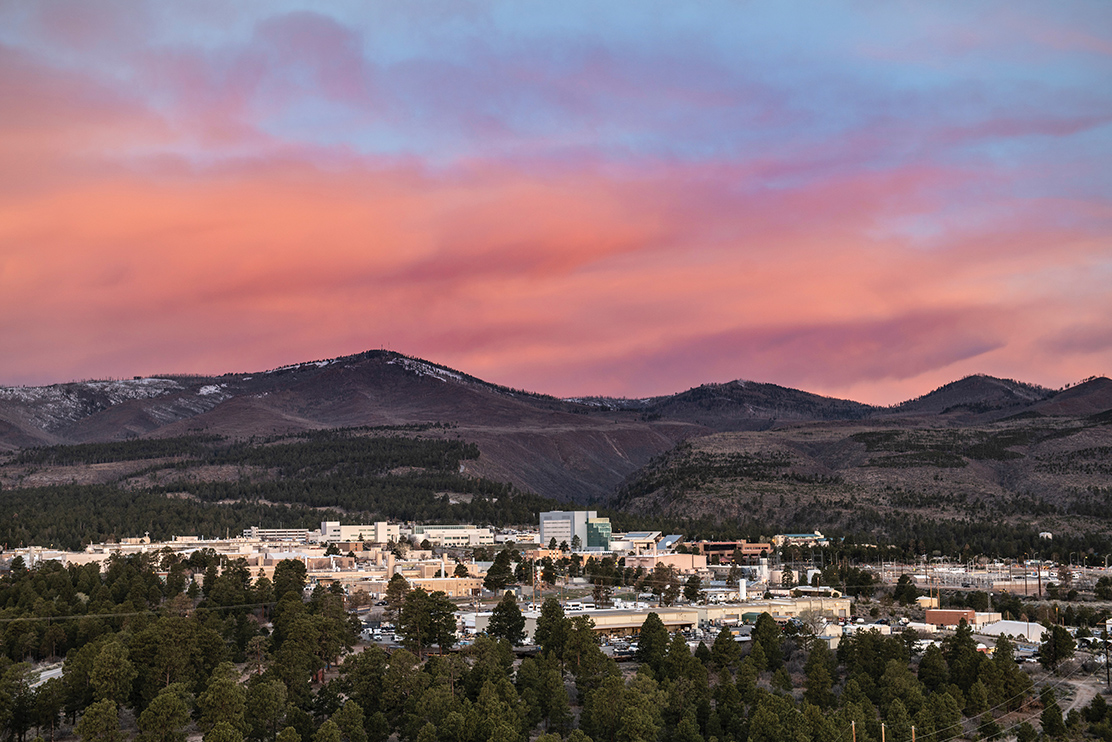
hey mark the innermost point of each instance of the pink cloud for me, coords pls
(573, 277)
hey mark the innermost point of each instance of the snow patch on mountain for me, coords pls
(299, 366)
(425, 369)
(59, 404)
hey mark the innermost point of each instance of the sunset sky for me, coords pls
(859, 199)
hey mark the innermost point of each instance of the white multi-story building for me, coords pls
(562, 526)
(273, 534)
(565, 525)
(454, 535)
(376, 533)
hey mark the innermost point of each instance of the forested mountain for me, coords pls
(950, 481)
(539, 443)
(744, 454)
(209, 485)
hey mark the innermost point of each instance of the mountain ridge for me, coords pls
(575, 449)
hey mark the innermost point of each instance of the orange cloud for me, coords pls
(575, 278)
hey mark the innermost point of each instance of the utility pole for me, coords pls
(1025, 578)
(1107, 677)
(1039, 573)
(535, 581)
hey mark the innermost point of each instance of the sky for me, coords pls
(860, 199)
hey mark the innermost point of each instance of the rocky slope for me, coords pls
(981, 451)
(582, 450)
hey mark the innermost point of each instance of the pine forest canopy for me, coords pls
(183, 659)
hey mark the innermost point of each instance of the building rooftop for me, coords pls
(669, 541)
(641, 536)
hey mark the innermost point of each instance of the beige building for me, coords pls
(781, 609)
(625, 623)
(454, 536)
(380, 532)
(684, 563)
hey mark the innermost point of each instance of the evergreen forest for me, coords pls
(150, 654)
(211, 486)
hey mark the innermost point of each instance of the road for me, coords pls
(1083, 693)
(48, 673)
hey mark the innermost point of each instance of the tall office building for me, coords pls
(564, 525)
(598, 533)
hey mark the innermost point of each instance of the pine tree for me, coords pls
(962, 658)
(100, 722)
(1051, 720)
(688, 728)
(641, 705)
(397, 589)
(500, 573)
(976, 700)
(652, 645)
(166, 716)
(552, 628)
(222, 731)
(693, 589)
(328, 732)
(725, 651)
(747, 674)
(507, 621)
(898, 721)
(757, 658)
(1057, 647)
(224, 701)
(782, 680)
(113, 673)
(349, 719)
(767, 634)
(819, 681)
(266, 708)
(933, 673)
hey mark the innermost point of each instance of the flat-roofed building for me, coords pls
(380, 532)
(951, 616)
(685, 563)
(276, 534)
(780, 609)
(800, 539)
(455, 587)
(725, 550)
(1022, 630)
(564, 526)
(641, 540)
(454, 535)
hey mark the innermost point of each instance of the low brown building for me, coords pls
(950, 616)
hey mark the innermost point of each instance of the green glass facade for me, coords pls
(598, 533)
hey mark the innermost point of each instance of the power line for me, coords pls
(130, 614)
